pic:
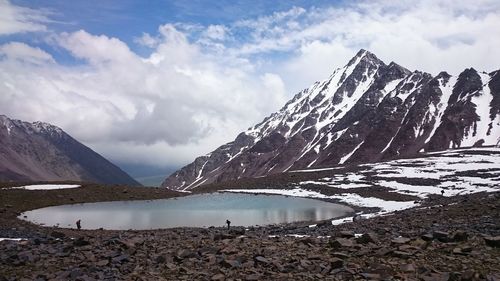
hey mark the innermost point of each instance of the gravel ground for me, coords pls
(446, 238)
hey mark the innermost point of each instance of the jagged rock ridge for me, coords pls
(366, 111)
(42, 152)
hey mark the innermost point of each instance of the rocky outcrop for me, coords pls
(366, 111)
(42, 152)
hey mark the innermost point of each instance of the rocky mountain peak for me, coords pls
(6, 123)
(365, 111)
(46, 128)
(364, 57)
(443, 75)
(398, 68)
(35, 127)
(4, 119)
(468, 82)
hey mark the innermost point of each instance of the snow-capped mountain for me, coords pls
(42, 152)
(366, 111)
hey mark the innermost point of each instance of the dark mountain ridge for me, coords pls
(42, 152)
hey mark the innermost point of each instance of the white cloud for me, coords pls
(426, 35)
(22, 52)
(202, 85)
(179, 100)
(314, 61)
(276, 87)
(16, 19)
(215, 32)
(97, 50)
(147, 40)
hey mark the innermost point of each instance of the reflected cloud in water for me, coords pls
(201, 210)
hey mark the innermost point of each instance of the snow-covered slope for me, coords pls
(446, 173)
(366, 111)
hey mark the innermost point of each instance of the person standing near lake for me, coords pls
(78, 224)
(228, 224)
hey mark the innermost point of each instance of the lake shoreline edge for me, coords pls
(175, 253)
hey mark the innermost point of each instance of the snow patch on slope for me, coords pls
(346, 157)
(457, 172)
(12, 239)
(46, 186)
(482, 100)
(438, 110)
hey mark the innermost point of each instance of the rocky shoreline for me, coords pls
(445, 238)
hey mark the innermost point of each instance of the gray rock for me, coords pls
(218, 277)
(57, 234)
(230, 263)
(237, 231)
(75, 273)
(336, 263)
(492, 241)
(171, 266)
(459, 236)
(253, 277)
(308, 241)
(458, 251)
(315, 257)
(427, 237)
(367, 238)
(401, 254)
(357, 218)
(371, 276)
(407, 267)
(208, 250)
(438, 276)
(160, 259)
(305, 263)
(121, 259)
(400, 240)
(80, 242)
(223, 236)
(102, 263)
(261, 260)
(347, 234)
(279, 266)
(186, 254)
(341, 243)
(441, 236)
(341, 255)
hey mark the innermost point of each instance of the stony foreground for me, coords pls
(455, 238)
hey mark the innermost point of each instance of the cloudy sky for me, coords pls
(162, 83)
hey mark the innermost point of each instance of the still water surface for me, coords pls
(201, 210)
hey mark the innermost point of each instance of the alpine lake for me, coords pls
(200, 210)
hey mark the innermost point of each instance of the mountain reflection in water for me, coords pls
(202, 210)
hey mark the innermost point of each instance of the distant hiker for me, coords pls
(228, 224)
(442, 192)
(78, 224)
